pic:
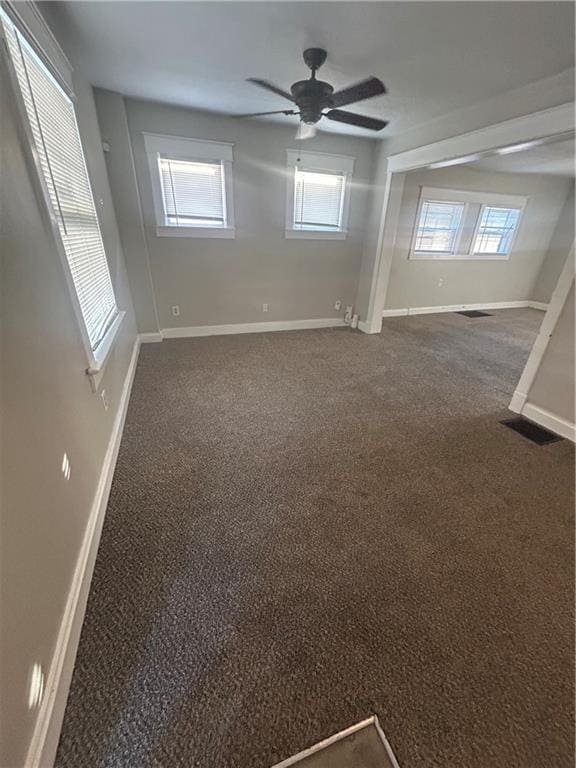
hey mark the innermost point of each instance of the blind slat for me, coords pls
(55, 133)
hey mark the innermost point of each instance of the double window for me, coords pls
(318, 195)
(454, 224)
(191, 186)
(53, 131)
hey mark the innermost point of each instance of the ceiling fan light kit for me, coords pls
(312, 97)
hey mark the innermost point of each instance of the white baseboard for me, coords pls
(365, 327)
(275, 325)
(463, 307)
(550, 421)
(518, 401)
(150, 338)
(44, 743)
(394, 312)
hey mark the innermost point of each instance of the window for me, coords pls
(191, 186)
(496, 230)
(460, 224)
(318, 195)
(318, 199)
(53, 131)
(439, 227)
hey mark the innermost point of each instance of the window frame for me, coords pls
(40, 39)
(494, 254)
(474, 205)
(317, 162)
(458, 231)
(187, 149)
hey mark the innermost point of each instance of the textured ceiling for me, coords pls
(435, 57)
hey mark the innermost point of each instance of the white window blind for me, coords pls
(496, 230)
(438, 226)
(193, 193)
(318, 200)
(57, 141)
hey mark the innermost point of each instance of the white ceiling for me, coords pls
(435, 57)
(556, 159)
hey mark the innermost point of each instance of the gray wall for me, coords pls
(553, 388)
(558, 250)
(47, 408)
(122, 174)
(226, 281)
(416, 283)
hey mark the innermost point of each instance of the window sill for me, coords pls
(228, 233)
(458, 256)
(314, 234)
(101, 355)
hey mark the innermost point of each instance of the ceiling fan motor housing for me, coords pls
(312, 96)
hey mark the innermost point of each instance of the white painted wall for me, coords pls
(416, 283)
(227, 281)
(47, 408)
(557, 252)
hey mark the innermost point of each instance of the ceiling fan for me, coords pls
(312, 97)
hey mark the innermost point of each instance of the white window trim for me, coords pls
(491, 256)
(317, 161)
(182, 148)
(96, 358)
(30, 21)
(483, 200)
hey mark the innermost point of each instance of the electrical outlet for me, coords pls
(338, 304)
(264, 307)
(176, 310)
(104, 397)
(440, 282)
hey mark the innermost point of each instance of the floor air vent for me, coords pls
(533, 432)
(474, 313)
(361, 746)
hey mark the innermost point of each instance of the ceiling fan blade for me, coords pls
(277, 112)
(372, 123)
(365, 89)
(270, 87)
(305, 131)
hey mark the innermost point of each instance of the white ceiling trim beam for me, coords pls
(548, 122)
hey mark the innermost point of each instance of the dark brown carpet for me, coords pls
(311, 527)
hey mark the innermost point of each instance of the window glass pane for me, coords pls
(193, 193)
(496, 230)
(318, 200)
(57, 140)
(438, 226)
